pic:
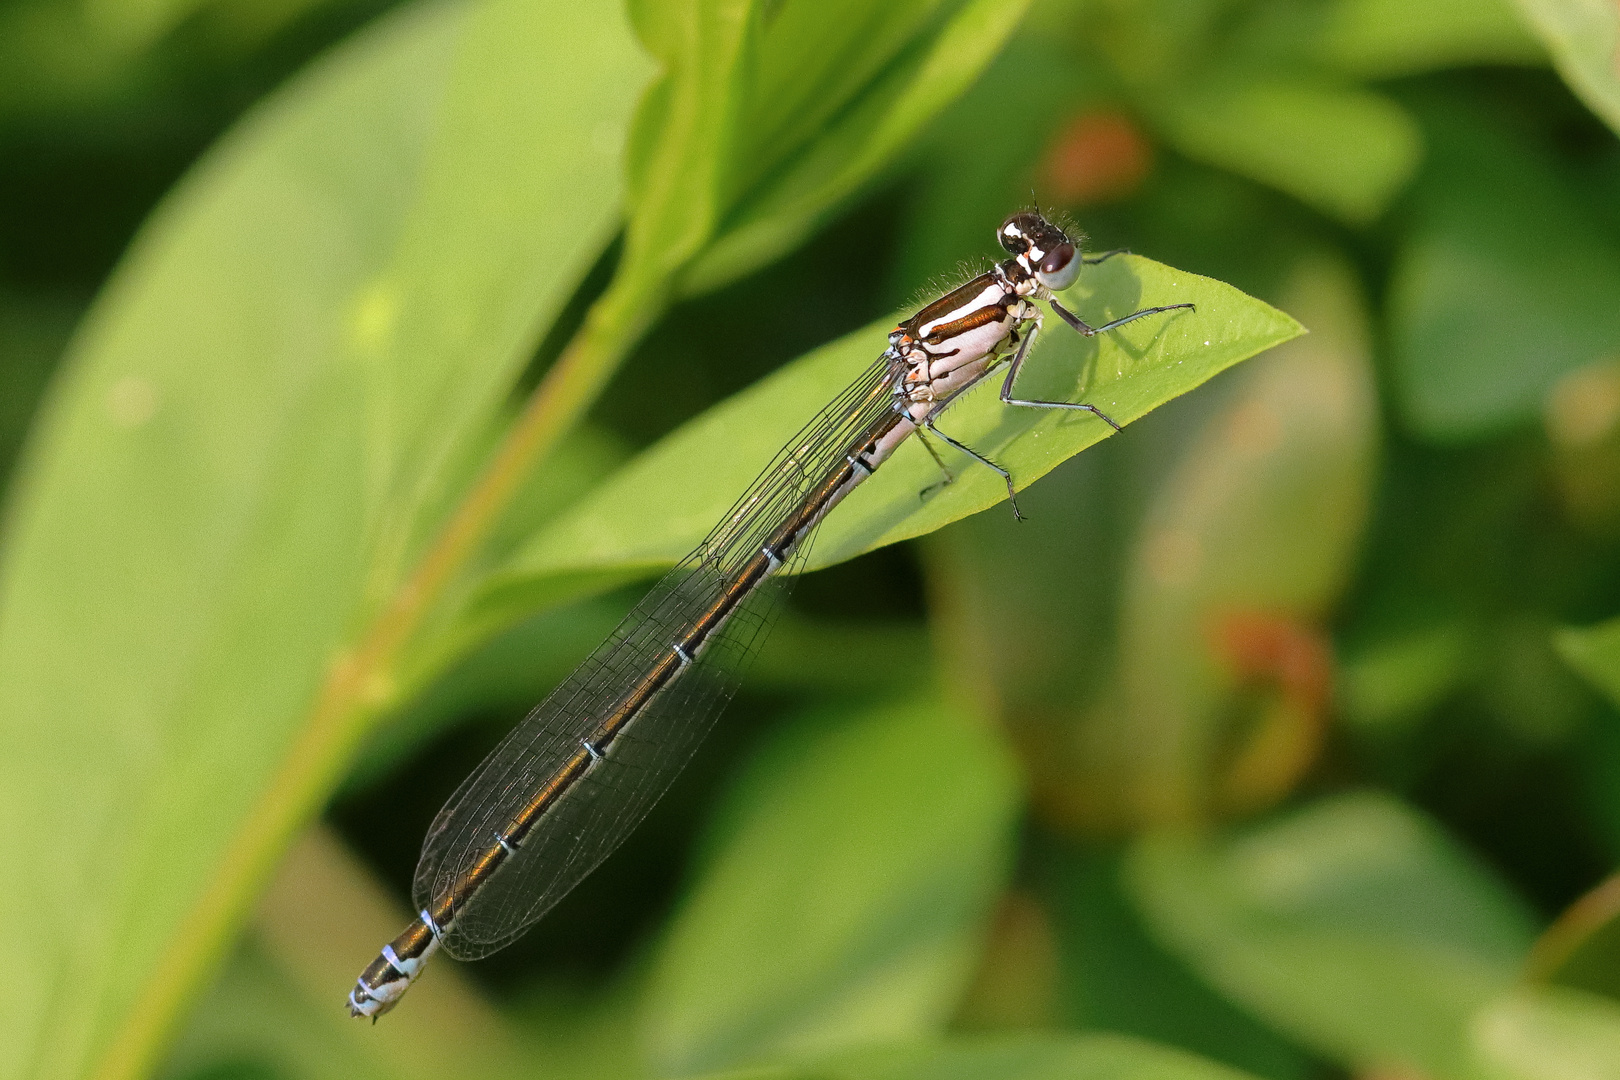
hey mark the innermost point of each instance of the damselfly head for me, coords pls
(1042, 249)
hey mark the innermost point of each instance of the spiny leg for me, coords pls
(1012, 373)
(1080, 325)
(944, 472)
(1012, 496)
(1093, 260)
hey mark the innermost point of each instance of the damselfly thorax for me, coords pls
(582, 769)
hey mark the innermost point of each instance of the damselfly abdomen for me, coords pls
(582, 769)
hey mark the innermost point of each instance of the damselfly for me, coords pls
(581, 770)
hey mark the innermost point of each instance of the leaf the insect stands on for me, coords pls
(654, 510)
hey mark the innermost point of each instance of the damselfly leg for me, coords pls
(945, 477)
(1012, 496)
(1080, 326)
(1030, 403)
(1024, 347)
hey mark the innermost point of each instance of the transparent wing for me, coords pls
(598, 809)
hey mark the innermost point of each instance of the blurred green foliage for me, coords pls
(357, 364)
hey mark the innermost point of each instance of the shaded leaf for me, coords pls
(1243, 549)
(63, 62)
(1015, 983)
(1115, 977)
(899, 819)
(765, 121)
(261, 421)
(1355, 925)
(32, 334)
(1382, 38)
(1583, 37)
(1581, 416)
(251, 1023)
(1345, 151)
(1020, 1057)
(508, 673)
(1388, 685)
(518, 666)
(1501, 286)
(1594, 651)
(684, 131)
(1023, 611)
(278, 999)
(815, 58)
(1581, 949)
(911, 90)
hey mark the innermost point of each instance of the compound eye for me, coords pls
(1060, 268)
(1017, 232)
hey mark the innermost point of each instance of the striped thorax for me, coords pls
(950, 344)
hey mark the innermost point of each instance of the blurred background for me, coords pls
(1283, 732)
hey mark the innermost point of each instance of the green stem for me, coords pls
(356, 683)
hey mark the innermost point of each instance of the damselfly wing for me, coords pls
(585, 766)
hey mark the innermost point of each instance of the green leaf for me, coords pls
(764, 123)
(32, 334)
(816, 56)
(508, 672)
(1583, 37)
(1550, 1034)
(899, 820)
(911, 90)
(696, 162)
(1388, 685)
(252, 1020)
(273, 1005)
(1115, 977)
(1019, 1057)
(1581, 949)
(1501, 285)
(1384, 38)
(263, 417)
(660, 506)
(1255, 531)
(1345, 151)
(506, 675)
(1594, 652)
(685, 131)
(1355, 925)
(1254, 495)
(1023, 612)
